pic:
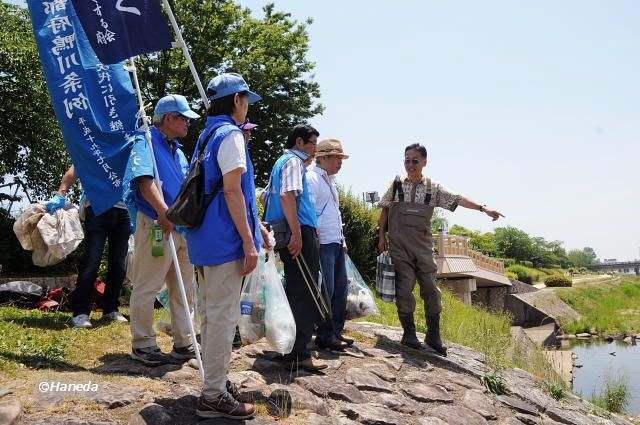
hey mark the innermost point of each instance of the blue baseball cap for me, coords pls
(225, 84)
(175, 103)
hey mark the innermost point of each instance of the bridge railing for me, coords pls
(459, 245)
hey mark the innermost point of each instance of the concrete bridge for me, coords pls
(622, 267)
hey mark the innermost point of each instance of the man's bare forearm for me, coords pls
(152, 195)
(290, 210)
(468, 203)
(67, 181)
(382, 222)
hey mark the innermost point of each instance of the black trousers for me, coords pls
(113, 226)
(300, 299)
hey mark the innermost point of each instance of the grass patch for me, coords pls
(556, 390)
(606, 307)
(615, 395)
(41, 340)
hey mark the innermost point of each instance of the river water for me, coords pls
(597, 361)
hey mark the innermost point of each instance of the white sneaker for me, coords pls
(114, 316)
(81, 321)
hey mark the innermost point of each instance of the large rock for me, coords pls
(151, 414)
(365, 380)
(430, 420)
(373, 414)
(284, 398)
(518, 405)
(480, 403)
(399, 403)
(426, 393)
(382, 372)
(248, 379)
(10, 412)
(110, 396)
(457, 415)
(323, 387)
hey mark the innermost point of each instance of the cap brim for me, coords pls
(190, 114)
(342, 155)
(254, 97)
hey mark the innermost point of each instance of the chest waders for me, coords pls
(411, 250)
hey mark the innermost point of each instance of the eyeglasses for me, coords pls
(413, 161)
(185, 119)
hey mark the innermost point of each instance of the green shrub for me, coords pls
(360, 224)
(511, 275)
(507, 261)
(557, 281)
(522, 272)
(526, 263)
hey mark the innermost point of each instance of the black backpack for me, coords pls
(192, 202)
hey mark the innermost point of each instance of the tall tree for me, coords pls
(271, 54)
(513, 243)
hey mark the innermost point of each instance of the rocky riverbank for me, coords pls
(379, 382)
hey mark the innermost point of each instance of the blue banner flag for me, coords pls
(120, 29)
(94, 103)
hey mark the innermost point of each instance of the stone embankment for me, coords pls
(378, 382)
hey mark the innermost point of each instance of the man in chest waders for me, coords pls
(407, 208)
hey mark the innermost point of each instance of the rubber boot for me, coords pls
(433, 339)
(409, 337)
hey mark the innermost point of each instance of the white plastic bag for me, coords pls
(280, 326)
(51, 236)
(252, 305)
(360, 300)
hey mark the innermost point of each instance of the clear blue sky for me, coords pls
(530, 107)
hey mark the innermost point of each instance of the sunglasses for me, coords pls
(413, 161)
(185, 119)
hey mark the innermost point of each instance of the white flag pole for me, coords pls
(185, 51)
(172, 246)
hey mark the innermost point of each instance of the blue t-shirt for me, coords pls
(172, 169)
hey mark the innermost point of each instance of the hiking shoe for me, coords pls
(151, 356)
(234, 390)
(81, 321)
(114, 316)
(311, 365)
(224, 406)
(183, 353)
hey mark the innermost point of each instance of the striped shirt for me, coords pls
(292, 170)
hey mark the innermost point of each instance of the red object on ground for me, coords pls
(47, 305)
(97, 294)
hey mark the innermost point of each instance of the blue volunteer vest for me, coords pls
(216, 241)
(306, 211)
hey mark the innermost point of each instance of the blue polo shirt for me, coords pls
(172, 169)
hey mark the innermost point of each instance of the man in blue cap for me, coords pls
(225, 246)
(150, 270)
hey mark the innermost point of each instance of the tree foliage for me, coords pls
(269, 52)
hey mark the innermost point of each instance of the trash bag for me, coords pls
(360, 300)
(386, 278)
(280, 326)
(163, 322)
(252, 305)
(51, 237)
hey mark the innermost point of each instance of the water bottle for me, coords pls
(157, 245)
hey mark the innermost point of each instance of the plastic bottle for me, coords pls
(157, 245)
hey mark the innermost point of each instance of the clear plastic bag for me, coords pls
(360, 301)
(280, 326)
(252, 305)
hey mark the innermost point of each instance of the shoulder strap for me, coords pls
(427, 196)
(397, 188)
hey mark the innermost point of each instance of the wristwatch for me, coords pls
(483, 208)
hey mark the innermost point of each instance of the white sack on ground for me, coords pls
(360, 301)
(280, 326)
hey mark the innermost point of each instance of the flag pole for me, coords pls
(185, 51)
(172, 247)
